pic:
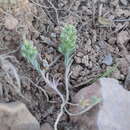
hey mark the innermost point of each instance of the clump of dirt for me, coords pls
(41, 21)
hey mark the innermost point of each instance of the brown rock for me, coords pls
(76, 71)
(15, 116)
(120, 12)
(11, 22)
(88, 46)
(112, 114)
(84, 98)
(123, 65)
(46, 126)
(124, 2)
(80, 54)
(85, 60)
(112, 40)
(77, 59)
(123, 37)
(116, 74)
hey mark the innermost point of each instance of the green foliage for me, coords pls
(107, 73)
(95, 100)
(30, 52)
(68, 41)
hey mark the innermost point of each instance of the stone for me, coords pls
(46, 126)
(116, 74)
(16, 116)
(85, 60)
(76, 71)
(122, 65)
(80, 54)
(124, 2)
(88, 46)
(123, 37)
(112, 113)
(83, 98)
(112, 40)
(108, 60)
(11, 22)
(115, 2)
(46, 40)
(77, 59)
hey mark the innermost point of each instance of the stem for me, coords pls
(67, 83)
(53, 85)
(82, 111)
(59, 115)
(64, 101)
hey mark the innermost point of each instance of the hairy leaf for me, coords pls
(30, 52)
(68, 41)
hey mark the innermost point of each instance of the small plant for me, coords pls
(30, 52)
(67, 47)
(68, 42)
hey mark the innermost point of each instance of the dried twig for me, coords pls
(66, 99)
(100, 9)
(56, 11)
(40, 88)
(55, 61)
(93, 10)
(35, 3)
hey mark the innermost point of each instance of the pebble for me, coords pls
(16, 116)
(123, 37)
(76, 71)
(11, 22)
(122, 65)
(108, 60)
(85, 60)
(77, 59)
(80, 54)
(124, 2)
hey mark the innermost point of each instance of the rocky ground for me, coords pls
(103, 46)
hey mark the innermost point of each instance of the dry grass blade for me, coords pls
(40, 88)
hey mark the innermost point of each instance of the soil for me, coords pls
(103, 31)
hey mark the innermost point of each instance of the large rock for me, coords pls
(15, 116)
(46, 126)
(113, 113)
